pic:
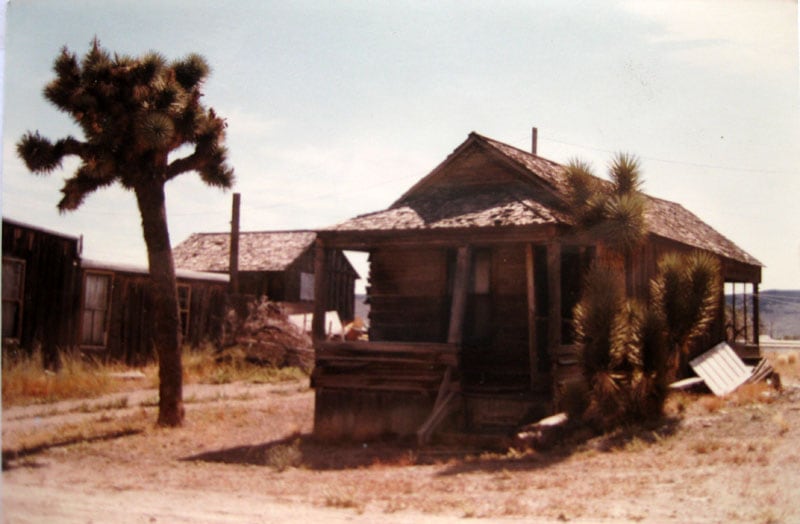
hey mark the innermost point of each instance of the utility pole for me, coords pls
(234, 252)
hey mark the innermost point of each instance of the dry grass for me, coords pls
(786, 363)
(203, 366)
(26, 381)
(284, 456)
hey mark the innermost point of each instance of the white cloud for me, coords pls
(752, 37)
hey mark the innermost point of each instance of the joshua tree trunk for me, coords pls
(167, 335)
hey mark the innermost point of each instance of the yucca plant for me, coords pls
(631, 352)
(686, 294)
(135, 115)
(612, 213)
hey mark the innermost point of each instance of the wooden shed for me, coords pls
(55, 300)
(474, 273)
(116, 313)
(40, 287)
(278, 264)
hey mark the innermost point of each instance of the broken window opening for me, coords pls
(13, 295)
(740, 313)
(95, 310)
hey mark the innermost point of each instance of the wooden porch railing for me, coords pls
(383, 366)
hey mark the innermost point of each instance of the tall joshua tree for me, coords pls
(134, 113)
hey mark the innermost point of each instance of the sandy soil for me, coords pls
(245, 455)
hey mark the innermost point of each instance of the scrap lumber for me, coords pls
(723, 371)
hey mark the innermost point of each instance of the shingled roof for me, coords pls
(258, 250)
(535, 192)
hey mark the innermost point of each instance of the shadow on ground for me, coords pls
(579, 439)
(302, 450)
(305, 451)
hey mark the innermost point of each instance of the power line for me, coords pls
(672, 161)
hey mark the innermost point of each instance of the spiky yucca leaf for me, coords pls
(626, 337)
(190, 71)
(155, 131)
(625, 227)
(39, 153)
(594, 316)
(625, 173)
(705, 287)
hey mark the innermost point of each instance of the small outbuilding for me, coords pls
(116, 310)
(275, 264)
(56, 301)
(41, 280)
(474, 274)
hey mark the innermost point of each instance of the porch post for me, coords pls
(554, 296)
(756, 315)
(320, 291)
(530, 271)
(458, 306)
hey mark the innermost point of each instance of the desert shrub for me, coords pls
(284, 456)
(630, 350)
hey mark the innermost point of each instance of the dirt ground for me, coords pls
(246, 455)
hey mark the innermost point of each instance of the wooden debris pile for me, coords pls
(258, 331)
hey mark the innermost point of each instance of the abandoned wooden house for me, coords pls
(40, 285)
(55, 300)
(116, 313)
(278, 264)
(474, 273)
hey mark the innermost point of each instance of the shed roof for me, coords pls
(258, 250)
(18, 223)
(121, 267)
(535, 192)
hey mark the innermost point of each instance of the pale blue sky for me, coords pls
(336, 108)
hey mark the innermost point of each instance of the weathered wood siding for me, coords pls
(408, 295)
(130, 318)
(370, 389)
(286, 285)
(498, 358)
(51, 279)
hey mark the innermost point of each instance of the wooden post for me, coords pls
(320, 291)
(554, 297)
(530, 272)
(458, 306)
(756, 315)
(233, 264)
(744, 313)
(733, 310)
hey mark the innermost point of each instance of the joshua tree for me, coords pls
(614, 213)
(134, 113)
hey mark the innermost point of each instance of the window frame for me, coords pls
(184, 310)
(19, 301)
(307, 283)
(106, 317)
